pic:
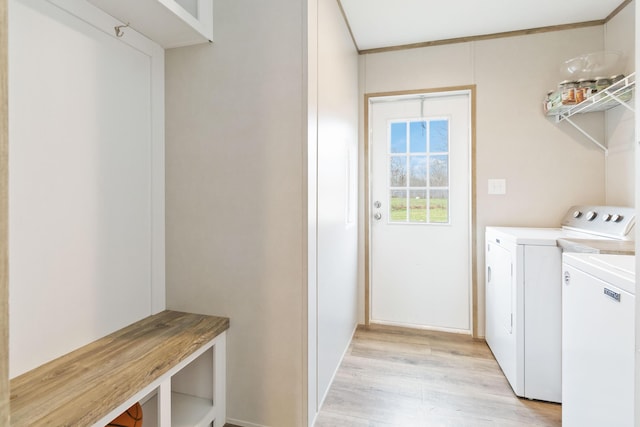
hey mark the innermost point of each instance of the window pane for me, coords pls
(439, 171)
(418, 137)
(439, 136)
(418, 205)
(398, 137)
(397, 171)
(398, 203)
(439, 206)
(418, 173)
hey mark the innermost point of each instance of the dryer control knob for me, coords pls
(577, 214)
(591, 215)
(606, 217)
(616, 218)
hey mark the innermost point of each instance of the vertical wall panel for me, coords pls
(81, 203)
(337, 191)
(310, 247)
(4, 276)
(636, 103)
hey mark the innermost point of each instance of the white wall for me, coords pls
(86, 195)
(619, 36)
(337, 190)
(547, 167)
(236, 198)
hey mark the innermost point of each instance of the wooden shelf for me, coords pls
(169, 23)
(88, 384)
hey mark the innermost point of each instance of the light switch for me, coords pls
(497, 186)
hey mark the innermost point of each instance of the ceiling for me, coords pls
(385, 23)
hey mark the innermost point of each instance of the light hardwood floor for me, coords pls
(398, 377)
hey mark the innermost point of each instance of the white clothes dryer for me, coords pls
(523, 294)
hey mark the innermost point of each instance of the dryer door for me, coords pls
(500, 289)
(499, 297)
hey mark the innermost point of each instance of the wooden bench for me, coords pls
(148, 360)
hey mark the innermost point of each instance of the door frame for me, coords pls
(471, 90)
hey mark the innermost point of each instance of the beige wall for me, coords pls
(259, 127)
(547, 167)
(235, 200)
(620, 122)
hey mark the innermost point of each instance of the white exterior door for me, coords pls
(420, 213)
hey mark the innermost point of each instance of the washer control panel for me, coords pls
(610, 221)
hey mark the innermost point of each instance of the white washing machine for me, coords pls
(598, 340)
(524, 294)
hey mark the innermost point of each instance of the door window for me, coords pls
(418, 170)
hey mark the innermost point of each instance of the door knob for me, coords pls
(377, 216)
(377, 204)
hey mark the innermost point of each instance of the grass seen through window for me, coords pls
(438, 210)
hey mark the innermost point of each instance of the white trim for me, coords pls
(166, 22)
(205, 8)
(104, 22)
(158, 292)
